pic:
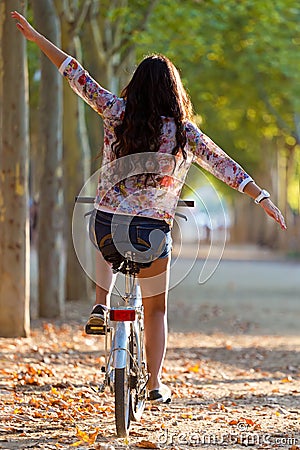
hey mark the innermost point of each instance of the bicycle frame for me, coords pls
(118, 331)
(125, 367)
(133, 299)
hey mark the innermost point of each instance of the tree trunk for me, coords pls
(251, 224)
(14, 198)
(75, 177)
(76, 147)
(73, 182)
(51, 253)
(285, 173)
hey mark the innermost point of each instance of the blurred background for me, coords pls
(240, 63)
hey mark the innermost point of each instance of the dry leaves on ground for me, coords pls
(227, 392)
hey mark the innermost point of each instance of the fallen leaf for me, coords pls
(233, 422)
(195, 368)
(90, 438)
(218, 406)
(187, 416)
(248, 421)
(287, 379)
(93, 436)
(146, 444)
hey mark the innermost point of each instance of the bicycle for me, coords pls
(125, 365)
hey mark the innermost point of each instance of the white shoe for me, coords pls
(161, 395)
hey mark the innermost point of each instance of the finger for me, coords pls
(281, 221)
(283, 224)
(276, 214)
(15, 15)
(20, 27)
(278, 217)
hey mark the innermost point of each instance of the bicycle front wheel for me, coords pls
(122, 401)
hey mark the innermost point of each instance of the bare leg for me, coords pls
(154, 283)
(104, 280)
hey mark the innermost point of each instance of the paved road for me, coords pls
(248, 291)
(256, 297)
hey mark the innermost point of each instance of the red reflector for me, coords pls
(122, 315)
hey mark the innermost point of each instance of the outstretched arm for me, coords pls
(101, 100)
(55, 55)
(212, 158)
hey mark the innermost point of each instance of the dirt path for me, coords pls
(241, 296)
(229, 391)
(235, 375)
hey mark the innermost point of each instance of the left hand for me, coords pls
(26, 29)
(273, 212)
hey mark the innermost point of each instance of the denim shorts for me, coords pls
(147, 238)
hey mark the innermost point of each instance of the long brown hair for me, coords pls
(155, 90)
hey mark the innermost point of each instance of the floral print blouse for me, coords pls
(147, 184)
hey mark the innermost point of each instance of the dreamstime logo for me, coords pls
(154, 168)
(243, 437)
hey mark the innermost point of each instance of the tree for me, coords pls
(76, 149)
(240, 63)
(14, 198)
(110, 46)
(51, 252)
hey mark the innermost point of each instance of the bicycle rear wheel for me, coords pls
(139, 377)
(122, 401)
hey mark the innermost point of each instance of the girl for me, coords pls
(149, 144)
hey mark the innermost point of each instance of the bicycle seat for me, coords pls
(126, 261)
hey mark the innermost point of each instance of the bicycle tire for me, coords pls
(122, 401)
(137, 382)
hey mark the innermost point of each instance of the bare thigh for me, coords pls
(104, 273)
(154, 280)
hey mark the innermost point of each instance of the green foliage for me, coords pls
(33, 70)
(33, 55)
(240, 62)
(294, 184)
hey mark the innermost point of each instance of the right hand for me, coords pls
(273, 212)
(26, 29)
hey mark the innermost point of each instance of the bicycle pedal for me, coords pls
(95, 329)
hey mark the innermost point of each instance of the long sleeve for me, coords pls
(213, 159)
(102, 101)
